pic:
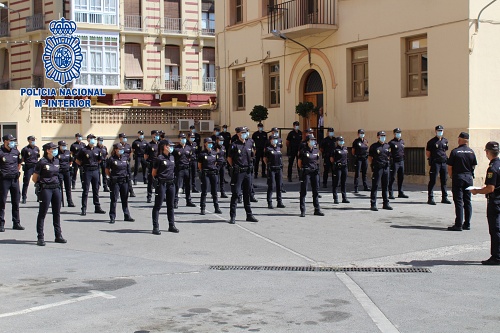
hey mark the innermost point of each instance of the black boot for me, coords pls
(335, 199)
(129, 218)
(23, 200)
(217, 210)
(202, 211)
(223, 195)
(112, 220)
(391, 195)
(156, 231)
(40, 242)
(252, 199)
(251, 218)
(356, 189)
(172, 228)
(2, 227)
(431, 201)
(98, 210)
(60, 239)
(189, 203)
(84, 212)
(132, 194)
(18, 226)
(106, 189)
(280, 205)
(232, 220)
(148, 200)
(318, 212)
(70, 203)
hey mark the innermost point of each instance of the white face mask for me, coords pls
(398, 135)
(439, 133)
(361, 136)
(296, 128)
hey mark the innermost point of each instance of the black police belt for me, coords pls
(63, 170)
(308, 171)
(380, 165)
(90, 167)
(29, 165)
(210, 172)
(275, 168)
(44, 186)
(166, 181)
(397, 160)
(184, 167)
(439, 160)
(340, 165)
(242, 169)
(119, 179)
(16, 176)
(361, 157)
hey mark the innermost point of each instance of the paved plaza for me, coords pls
(121, 278)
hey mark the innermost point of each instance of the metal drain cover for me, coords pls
(322, 269)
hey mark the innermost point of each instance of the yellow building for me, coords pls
(370, 64)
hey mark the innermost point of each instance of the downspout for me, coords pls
(481, 12)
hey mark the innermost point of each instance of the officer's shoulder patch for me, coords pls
(87, 155)
(490, 175)
(164, 162)
(206, 156)
(378, 151)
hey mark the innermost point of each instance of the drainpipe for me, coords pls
(481, 12)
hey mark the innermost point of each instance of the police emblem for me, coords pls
(87, 155)
(62, 56)
(437, 146)
(359, 144)
(490, 175)
(29, 153)
(307, 154)
(116, 162)
(239, 151)
(206, 157)
(47, 167)
(164, 162)
(395, 146)
(272, 152)
(3, 159)
(378, 151)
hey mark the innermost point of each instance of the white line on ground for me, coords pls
(93, 294)
(378, 317)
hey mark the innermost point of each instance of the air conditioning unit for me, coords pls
(184, 124)
(206, 125)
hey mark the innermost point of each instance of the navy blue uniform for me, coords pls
(183, 156)
(227, 140)
(65, 160)
(327, 146)
(260, 140)
(165, 189)
(309, 173)
(75, 150)
(360, 147)
(493, 207)
(102, 166)
(209, 174)
(241, 154)
(139, 146)
(127, 153)
(437, 161)
(118, 180)
(381, 154)
(30, 155)
(152, 153)
(274, 158)
(89, 157)
(9, 182)
(195, 150)
(339, 162)
(221, 164)
(397, 165)
(294, 139)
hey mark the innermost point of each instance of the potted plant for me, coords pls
(304, 109)
(259, 113)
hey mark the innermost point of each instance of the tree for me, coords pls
(259, 113)
(304, 109)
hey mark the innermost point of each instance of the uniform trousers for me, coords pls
(140, 161)
(360, 166)
(493, 215)
(313, 178)
(327, 168)
(118, 189)
(291, 159)
(183, 177)
(380, 175)
(276, 177)
(12, 186)
(164, 191)
(150, 183)
(49, 197)
(28, 172)
(240, 181)
(339, 175)
(212, 179)
(259, 157)
(76, 168)
(222, 174)
(193, 168)
(462, 198)
(65, 180)
(102, 174)
(442, 170)
(90, 177)
(397, 169)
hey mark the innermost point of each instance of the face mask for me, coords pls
(275, 141)
(12, 144)
(221, 142)
(141, 137)
(183, 141)
(64, 148)
(260, 129)
(398, 135)
(244, 136)
(224, 130)
(101, 142)
(296, 128)
(330, 134)
(341, 143)
(382, 139)
(210, 145)
(32, 143)
(171, 149)
(192, 139)
(157, 138)
(361, 136)
(312, 143)
(121, 151)
(124, 139)
(80, 138)
(439, 133)
(193, 131)
(55, 152)
(92, 141)
(217, 133)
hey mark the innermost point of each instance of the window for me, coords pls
(240, 89)
(359, 74)
(267, 6)
(96, 11)
(173, 81)
(274, 85)
(237, 11)
(416, 66)
(8, 128)
(209, 69)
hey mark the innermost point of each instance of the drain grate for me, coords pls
(322, 269)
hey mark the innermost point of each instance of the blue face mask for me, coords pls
(217, 133)
(32, 143)
(439, 133)
(361, 136)
(183, 141)
(221, 142)
(55, 152)
(92, 141)
(192, 139)
(80, 138)
(330, 134)
(64, 147)
(12, 144)
(224, 130)
(124, 139)
(101, 142)
(121, 151)
(312, 143)
(398, 135)
(260, 129)
(171, 149)
(210, 145)
(382, 139)
(141, 136)
(296, 128)
(193, 131)
(157, 138)
(341, 143)
(275, 141)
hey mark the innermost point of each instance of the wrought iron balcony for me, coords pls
(208, 27)
(172, 25)
(4, 29)
(179, 83)
(35, 22)
(133, 23)
(209, 84)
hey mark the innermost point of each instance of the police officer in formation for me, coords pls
(220, 148)
(75, 149)
(461, 164)
(88, 159)
(227, 137)
(102, 163)
(183, 154)
(164, 183)
(360, 153)
(117, 171)
(436, 154)
(65, 162)
(46, 174)
(127, 148)
(308, 163)
(150, 156)
(209, 174)
(138, 150)
(260, 139)
(397, 146)
(194, 142)
(30, 155)
(327, 147)
(338, 159)
(379, 157)
(10, 164)
(216, 133)
(273, 158)
(293, 140)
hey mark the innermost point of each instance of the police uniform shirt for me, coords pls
(340, 155)
(127, 150)
(380, 152)
(360, 147)
(48, 170)
(208, 159)
(76, 147)
(139, 146)
(221, 152)
(260, 139)
(280, 141)
(438, 149)
(152, 151)
(118, 166)
(309, 158)
(164, 166)
(274, 156)
(241, 153)
(397, 149)
(65, 159)
(462, 159)
(328, 145)
(89, 156)
(30, 154)
(194, 150)
(295, 138)
(9, 162)
(104, 152)
(493, 178)
(183, 155)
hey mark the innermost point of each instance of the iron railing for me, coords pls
(95, 18)
(133, 23)
(177, 82)
(35, 22)
(172, 25)
(296, 13)
(4, 29)
(209, 84)
(208, 27)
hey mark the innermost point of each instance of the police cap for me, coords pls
(464, 135)
(309, 130)
(380, 133)
(77, 135)
(118, 146)
(220, 138)
(216, 128)
(260, 125)
(191, 127)
(492, 145)
(99, 138)
(310, 137)
(153, 132)
(296, 123)
(182, 136)
(397, 130)
(340, 138)
(439, 128)
(8, 137)
(330, 129)
(61, 143)
(166, 142)
(122, 135)
(208, 140)
(49, 145)
(31, 138)
(241, 129)
(140, 132)
(274, 129)
(91, 136)
(361, 131)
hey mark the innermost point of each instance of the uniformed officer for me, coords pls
(195, 150)
(461, 166)
(252, 188)
(75, 149)
(492, 191)
(197, 137)
(273, 158)
(220, 148)
(102, 163)
(209, 173)
(308, 163)
(88, 158)
(293, 140)
(360, 153)
(162, 134)
(240, 160)
(379, 157)
(436, 154)
(117, 167)
(65, 162)
(275, 130)
(150, 155)
(138, 150)
(397, 146)
(30, 155)
(305, 143)
(327, 147)
(260, 139)
(215, 134)
(46, 174)
(127, 154)
(338, 159)
(183, 155)
(164, 181)
(10, 164)
(227, 138)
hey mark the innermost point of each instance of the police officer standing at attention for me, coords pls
(379, 156)
(139, 149)
(308, 163)
(436, 154)
(127, 152)
(240, 161)
(30, 155)
(183, 154)
(461, 166)
(88, 158)
(164, 182)
(47, 175)
(65, 162)
(209, 173)
(150, 155)
(260, 139)
(227, 138)
(327, 146)
(360, 153)
(220, 148)
(339, 161)
(102, 163)
(274, 161)
(10, 164)
(117, 167)
(216, 133)
(293, 140)
(195, 150)
(75, 149)
(397, 163)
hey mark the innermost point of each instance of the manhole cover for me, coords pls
(322, 269)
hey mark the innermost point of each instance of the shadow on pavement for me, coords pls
(128, 231)
(202, 221)
(15, 241)
(104, 219)
(346, 208)
(420, 227)
(428, 263)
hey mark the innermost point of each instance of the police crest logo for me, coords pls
(47, 167)
(378, 151)
(3, 159)
(307, 154)
(359, 144)
(165, 163)
(490, 175)
(116, 162)
(87, 155)
(206, 157)
(437, 146)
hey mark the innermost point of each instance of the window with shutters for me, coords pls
(38, 69)
(173, 79)
(240, 89)
(359, 74)
(172, 17)
(209, 83)
(274, 85)
(133, 66)
(237, 11)
(417, 79)
(208, 17)
(95, 11)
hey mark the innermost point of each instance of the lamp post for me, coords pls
(2, 5)
(281, 35)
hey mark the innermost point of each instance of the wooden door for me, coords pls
(313, 117)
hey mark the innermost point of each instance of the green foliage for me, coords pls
(304, 109)
(259, 113)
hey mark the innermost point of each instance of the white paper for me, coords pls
(473, 188)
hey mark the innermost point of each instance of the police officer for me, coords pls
(227, 138)
(164, 181)
(492, 191)
(127, 154)
(102, 163)
(30, 155)
(327, 147)
(215, 134)
(183, 155)
(436, 154)
(360, 153)
(338, 160)
(150, 155)
(379, 157)
(88, 159)
(293, 140)
(197, 137)
(138, 150)
(275, 130)
(10, 164)
(195, 150)
(273, 158)
(240, 161)
(304, 143)
(65, 162)
(397, 146)
(117, 166)
(209, 173)
(308, 163)
(220, 148)
(252, 188)
(260, 139)
(461, 166)
(75, 149)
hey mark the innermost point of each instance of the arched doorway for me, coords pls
(313, 92)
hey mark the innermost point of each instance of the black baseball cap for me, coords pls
(464, 135)
(49, 145)
(361, 131)
(492, 145)
(217, 128)
(260, 125)
(61, 143)
(241, 129)
(31, 138)
(330, 129)
(191, 127)
(208, 140)
(380, 133)
(309, 130)
(153, 132)
(439, 128)
(220, 138)
(340, 138)
(140, 132)
(310, 137)
(91, 136)
(182, 136)
(397, 130)
(99, 138)
(8, 137)
(77, 135)
(118, 146)
(224, 126)
(122, 135)
(296, 123)
(274, 129)
(166, 142)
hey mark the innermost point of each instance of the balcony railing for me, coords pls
(35, 22)
(176, 82)
(172, 25)
(102, 80)
(208, 27)
(4, 29)
(209, 84)
(95, 18)
(133, 23)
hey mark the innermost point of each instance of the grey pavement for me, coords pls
(121, 278)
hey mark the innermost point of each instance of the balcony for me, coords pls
(4, 29)
(300, 18)
(208, 27)
(98, 79)
(209, 84)
(133, 84)
(95, 18)
(35, 22)
(172, 26)
(179, 83)
(133, 23)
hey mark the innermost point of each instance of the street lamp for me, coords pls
(281, 35)
(2, 5)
